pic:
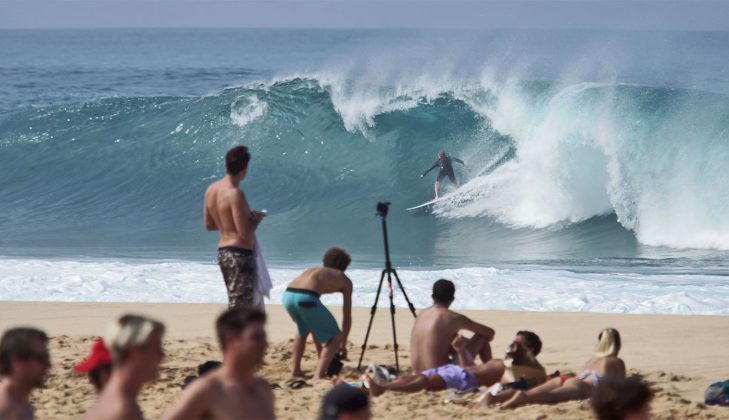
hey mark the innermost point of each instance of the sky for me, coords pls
(698, 15)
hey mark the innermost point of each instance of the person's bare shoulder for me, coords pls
(209, 383)
(114, 409)
(345, 280)
(614, 365)
(196, 399)
(423, 314)
(15, 411)
(233, 195)
(455, 320)
(344, 283)
(331, 276)
(212, 188)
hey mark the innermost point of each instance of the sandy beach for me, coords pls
(678, 355)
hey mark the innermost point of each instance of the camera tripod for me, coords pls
(382, 209)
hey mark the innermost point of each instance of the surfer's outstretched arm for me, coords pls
(460, 161)
(435, 165)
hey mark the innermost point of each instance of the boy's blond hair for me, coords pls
(127, 332)
(608, 343)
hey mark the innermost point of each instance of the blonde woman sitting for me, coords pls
(605, 363)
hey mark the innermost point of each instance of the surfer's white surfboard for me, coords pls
(449, 194)
(426, 204)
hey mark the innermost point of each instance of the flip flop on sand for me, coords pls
(297, 383)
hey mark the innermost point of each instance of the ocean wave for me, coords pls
(540, 155)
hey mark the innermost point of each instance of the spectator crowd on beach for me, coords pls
(130, 353)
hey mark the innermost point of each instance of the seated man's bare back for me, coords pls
(437, 326)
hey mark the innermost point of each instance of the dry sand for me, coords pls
(678, 355)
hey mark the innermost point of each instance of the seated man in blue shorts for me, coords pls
(301, 301)
(460, 377)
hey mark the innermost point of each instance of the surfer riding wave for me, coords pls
(445, 162)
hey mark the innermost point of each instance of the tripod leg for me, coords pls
(402, 289)
(372, 317)
(392, 319)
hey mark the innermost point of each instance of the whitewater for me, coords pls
(591, 184)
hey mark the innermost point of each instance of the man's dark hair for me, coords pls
(532, 340)
(337, 257)
(614, 398)
(444, 291)
(235, 320)
(236, 160)
(18, 343)
(95, 374)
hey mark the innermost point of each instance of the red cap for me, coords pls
(99, 356)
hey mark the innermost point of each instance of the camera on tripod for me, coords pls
(388, 272)
(382, 209)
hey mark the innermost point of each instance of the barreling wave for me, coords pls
(585, 161)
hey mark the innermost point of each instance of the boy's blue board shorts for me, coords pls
(310, 314)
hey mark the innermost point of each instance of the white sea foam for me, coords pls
(247, 109)
(477, 288)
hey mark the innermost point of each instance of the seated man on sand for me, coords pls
(135, 343)
(301, 301)
(522, 370)
(232, 391)
(436, 327)
(604, 364)
(460, 377)
(24, 363)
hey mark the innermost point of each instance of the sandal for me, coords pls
(297, 384)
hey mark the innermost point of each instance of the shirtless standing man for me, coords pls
(227, 211)
(232, 391)
(135, 343)
(24, 363)
(437, 326)
(301, 301)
